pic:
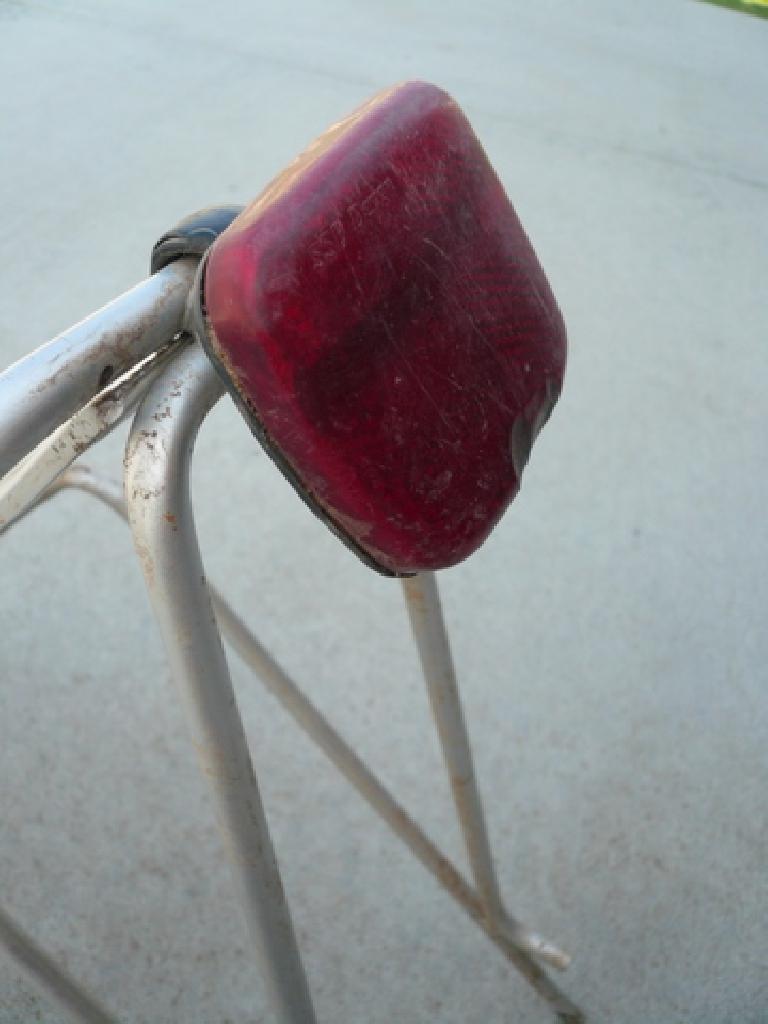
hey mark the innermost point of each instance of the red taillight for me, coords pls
(383, 321)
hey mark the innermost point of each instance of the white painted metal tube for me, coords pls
(157, 496)
(43, 389)
(516, 942)
(69, 994)
(21, 486)
(426, 617)
(509, 938)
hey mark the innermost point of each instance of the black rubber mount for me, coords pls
(192, 236)
(197, 323)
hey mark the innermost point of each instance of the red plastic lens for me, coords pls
(382, 318)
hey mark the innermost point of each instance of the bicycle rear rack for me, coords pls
(54, 405)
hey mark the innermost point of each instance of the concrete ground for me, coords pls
(610, 636)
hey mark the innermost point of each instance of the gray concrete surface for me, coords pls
(610, 636)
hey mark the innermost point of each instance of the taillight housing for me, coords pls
(385, 326)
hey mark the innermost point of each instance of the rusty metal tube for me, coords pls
(43, 389)
(22, 485)
(157, 462)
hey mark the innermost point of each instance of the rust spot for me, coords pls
(217, 764)
(169, 517)
(147, 562)
(146, 493)
(116, 348)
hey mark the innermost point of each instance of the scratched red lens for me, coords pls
(383, 321)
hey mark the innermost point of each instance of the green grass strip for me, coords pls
(757, 7)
